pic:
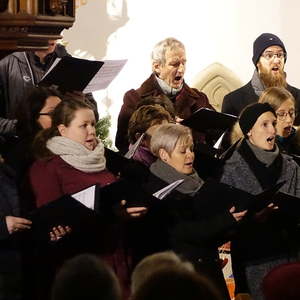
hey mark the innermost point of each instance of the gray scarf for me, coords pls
(264, 156)
(257, 84)
(77, 155)
(191, 184)
(168, 90)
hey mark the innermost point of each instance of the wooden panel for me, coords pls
(29, 24)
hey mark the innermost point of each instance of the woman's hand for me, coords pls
(134, 212)
(238, 215)
(15, 224)
(59, 232)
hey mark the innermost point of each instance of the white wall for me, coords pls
(212, 31)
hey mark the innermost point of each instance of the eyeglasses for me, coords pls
(281, 115)
(268, 55)
(45, 114)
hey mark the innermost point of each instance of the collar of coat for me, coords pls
(151, 87)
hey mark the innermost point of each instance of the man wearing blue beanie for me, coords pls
(269, 57)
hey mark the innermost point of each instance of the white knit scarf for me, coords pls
(77, 155)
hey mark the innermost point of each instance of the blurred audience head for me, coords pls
(85, 277)
(154, 263)
(282, 283)
(176, 284)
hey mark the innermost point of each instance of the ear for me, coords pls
(163, 155)
(249, 133)
(62, 129)
(156, 68)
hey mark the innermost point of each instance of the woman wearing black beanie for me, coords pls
(268, 238)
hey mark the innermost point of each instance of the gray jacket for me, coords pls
(237, 173)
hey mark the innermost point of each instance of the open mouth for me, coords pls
(275, 69)
(189, 164)
(287, 129)
(271, 139)
(178, 78)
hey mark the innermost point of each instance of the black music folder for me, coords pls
(206, 119)
(222, 197)
(75, 74)
(65, 211)
(288, 204)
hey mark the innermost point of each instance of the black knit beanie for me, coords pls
(264, 41)
(251, 113)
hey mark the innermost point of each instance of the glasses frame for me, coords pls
(45, 114)
(292, 114)
(279, 55)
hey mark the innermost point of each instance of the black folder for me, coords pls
(115, 162)
(206, 119)
(65, 211)
(227, 196)
(75, 74)
(288, 204)
(71, 74)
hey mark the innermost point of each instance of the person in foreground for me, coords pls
(85, 276)
(71, 158)
(270, 237)
(185, 221)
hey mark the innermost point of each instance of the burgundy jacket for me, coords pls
(53, 178)
(186, 102)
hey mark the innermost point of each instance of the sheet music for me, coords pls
(105, 75)
(161, 194)
(134, 147)
(57, 60)
(217, 145)
(86, 197)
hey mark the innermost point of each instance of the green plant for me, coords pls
(102, 130)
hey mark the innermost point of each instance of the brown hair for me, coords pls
(145, 117)
(64, 113)
(161, 100)
(275, 96)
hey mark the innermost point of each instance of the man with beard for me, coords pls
(269, 57)
(168, 66)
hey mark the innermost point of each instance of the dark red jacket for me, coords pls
(53, 178)
(186, 102)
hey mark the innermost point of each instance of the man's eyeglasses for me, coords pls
(281, 115)
(270, 55)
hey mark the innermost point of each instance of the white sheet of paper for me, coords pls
(105, 75)
(161, 194)
(86, 197)
(57, 60)
(134, 147)
(217, 145)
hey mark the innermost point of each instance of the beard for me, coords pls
(270, 79)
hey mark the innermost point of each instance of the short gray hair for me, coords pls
(159, 50)
(166, 137)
